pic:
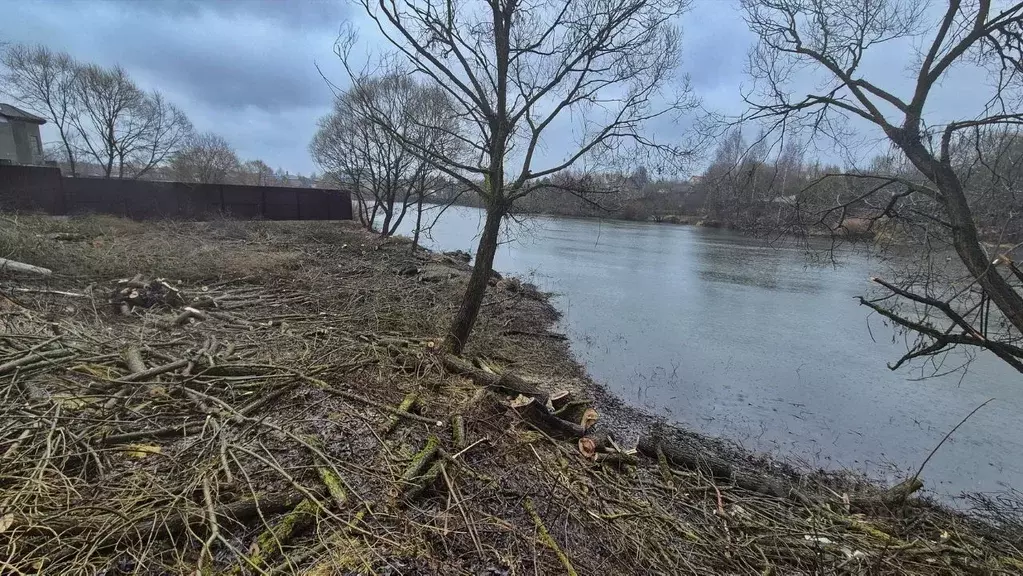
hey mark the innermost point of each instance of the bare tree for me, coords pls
(206, 158)
(832, 38)
(386, 176)
(43, 81)
(519, 73)
(154, 132)
(122, 128)
(106, 99)
(256, 173)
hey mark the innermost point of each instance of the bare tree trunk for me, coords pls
(462, 325)
(964, 231)
(363, 211)
(373, 215)
(388, 208)
(71, 162)
(967, 245)
(70, 153)
(401, 216)
(419, 222)
(361, 202)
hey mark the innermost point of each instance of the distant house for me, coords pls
(19, 136)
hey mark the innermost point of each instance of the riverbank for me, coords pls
(272, 406)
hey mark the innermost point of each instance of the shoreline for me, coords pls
(401, 458)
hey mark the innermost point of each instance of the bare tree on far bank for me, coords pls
(206, 158)
(521, 73)
(386, 177)
(953, 165)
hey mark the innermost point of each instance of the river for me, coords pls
(744, 341)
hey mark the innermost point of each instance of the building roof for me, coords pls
(15, 113)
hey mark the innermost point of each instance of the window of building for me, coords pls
(34, 143)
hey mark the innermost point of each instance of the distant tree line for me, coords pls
(107, 126)
(762, 186)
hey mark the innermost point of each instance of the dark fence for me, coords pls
(38, 189)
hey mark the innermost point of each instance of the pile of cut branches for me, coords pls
(310, 425)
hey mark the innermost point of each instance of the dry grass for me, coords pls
(106, 247)
(272, 445)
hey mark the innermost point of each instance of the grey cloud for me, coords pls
(715, 43)
(246, 68)
(227, 54)
(295, 15)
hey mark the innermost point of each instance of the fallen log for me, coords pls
(573, 410)
(423, 470)
(536, 414)
(340, 540)
(133, 360)
(268, 545)
(900, 492)
(616, 459)
(169, 525)
(560, 398)
(592, 444)
(551, 335)
(187, 315)
(423, 482)
(506, 382)
(154, 371)
(483, 406)
(64, 236)
(587, 447)
(458, 431)
(43, 291)
(154, 433)
(382, 407)
(546, 539)
(22, 268)
(889, 499)
(34, 357)
(407, 406)
(682, 455)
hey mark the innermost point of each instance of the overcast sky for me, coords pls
(247, 68)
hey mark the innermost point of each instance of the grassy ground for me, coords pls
(268, 398)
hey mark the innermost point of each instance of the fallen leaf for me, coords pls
(142, 450)
(5, 522)
(69, 401)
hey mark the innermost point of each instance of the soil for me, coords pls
(270, 398)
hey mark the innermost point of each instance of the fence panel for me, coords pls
(39, 189)
(31, 188)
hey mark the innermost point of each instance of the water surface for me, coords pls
(745, 341)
